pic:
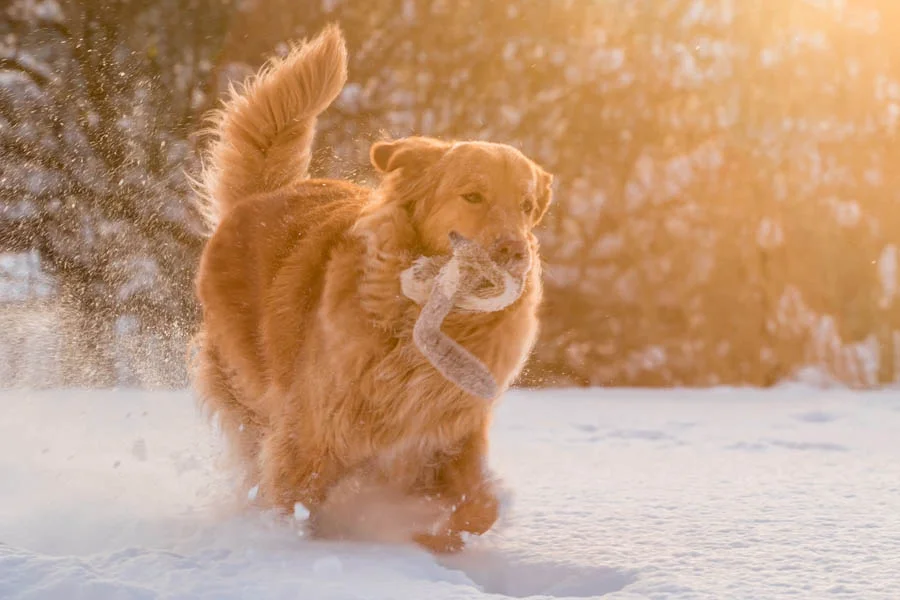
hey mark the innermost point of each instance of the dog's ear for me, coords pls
(544, 194)
(406, 153)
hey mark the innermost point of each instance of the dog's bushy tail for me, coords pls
(262, 135)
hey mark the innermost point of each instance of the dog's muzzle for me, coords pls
(512, 254)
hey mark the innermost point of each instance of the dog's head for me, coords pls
(488, 192)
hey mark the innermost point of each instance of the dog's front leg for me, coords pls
(470, 481)
(464, 482)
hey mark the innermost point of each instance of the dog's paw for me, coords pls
(449, 542)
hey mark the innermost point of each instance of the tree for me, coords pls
(725, 208)
(97, 102)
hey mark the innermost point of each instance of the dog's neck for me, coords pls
(389, 244)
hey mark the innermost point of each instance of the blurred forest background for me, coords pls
(727, 201)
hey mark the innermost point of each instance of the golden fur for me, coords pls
(306, 350)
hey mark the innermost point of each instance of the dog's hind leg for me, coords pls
(294, 467)
(240, 426)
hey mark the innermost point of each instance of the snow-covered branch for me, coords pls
(18, 64)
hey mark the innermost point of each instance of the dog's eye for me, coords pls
(473, 197)
(527, 206)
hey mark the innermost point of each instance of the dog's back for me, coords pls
(249, 291)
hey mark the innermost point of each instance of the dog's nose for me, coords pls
(510, 251)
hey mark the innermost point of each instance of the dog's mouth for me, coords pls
(517, 263)
(509, 253)
(518, 268)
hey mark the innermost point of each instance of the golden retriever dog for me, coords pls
(305, 351)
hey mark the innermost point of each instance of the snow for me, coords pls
(724, 493)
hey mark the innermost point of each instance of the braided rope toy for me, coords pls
(470, 281)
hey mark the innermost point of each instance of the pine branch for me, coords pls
(34, 73)
(22, 26)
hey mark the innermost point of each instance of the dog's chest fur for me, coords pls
(379, 379)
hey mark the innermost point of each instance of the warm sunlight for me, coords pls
(443, 299)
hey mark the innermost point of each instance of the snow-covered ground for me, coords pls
(725, 494)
